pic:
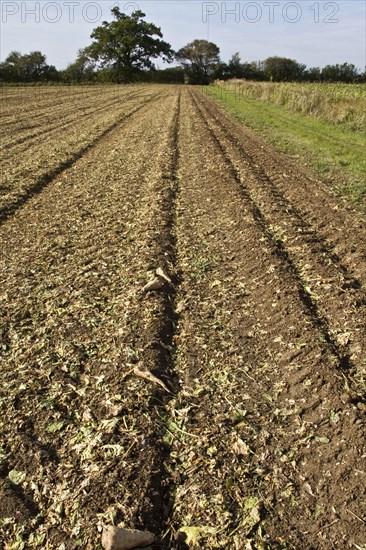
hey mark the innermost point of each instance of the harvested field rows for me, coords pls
(50, 150)
(225, 408)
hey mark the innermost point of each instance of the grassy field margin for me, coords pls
(336, 153)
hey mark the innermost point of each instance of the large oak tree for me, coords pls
(127, 45)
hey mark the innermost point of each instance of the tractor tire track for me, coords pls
(218, 410)
(335, 299)
(262, 415)
(340, 227)
(272, 182)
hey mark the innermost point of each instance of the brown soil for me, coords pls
(256, 438)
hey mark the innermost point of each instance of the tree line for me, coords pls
(123, 51)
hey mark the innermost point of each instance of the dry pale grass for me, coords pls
(335, 103)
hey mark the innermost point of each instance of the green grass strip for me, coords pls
(334, 151)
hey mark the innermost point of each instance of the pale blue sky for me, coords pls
(313, 32)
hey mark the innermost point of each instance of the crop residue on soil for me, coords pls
(182, 331)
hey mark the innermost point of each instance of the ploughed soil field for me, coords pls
(183, 330)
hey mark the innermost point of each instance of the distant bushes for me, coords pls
(283, 69)
(198, 65)
(31, 67)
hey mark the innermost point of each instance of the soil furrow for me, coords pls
(335, 222)
(288, 208)
(157, 339)
(263, 414)
(216, 407)
(335, 300)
